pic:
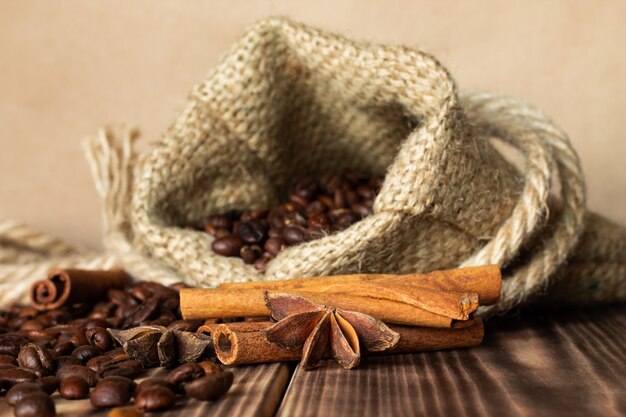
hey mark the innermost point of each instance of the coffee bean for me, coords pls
(261, 263)
(48, 384)
(184, 373)
(251, 232)
(67, 360)
(145, 311)
(250, 253)
(210, 367)
(21, 390)
(74, 388)
(293, 235)
(150, 382)
(227, 246)
(220, 221)
(11, 343)
(121, 365)
(305, 187)
(64, 348)
(112, 391)
(8, 359)
(96, 364)
(37, 404)
(86, 352)
(78, 370)
(156, 398)
(99, 337)
(209, 387)
(360, 210)
(12, 376)
(274, 245)
(32, 324)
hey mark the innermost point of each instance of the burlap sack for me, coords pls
(289, 100)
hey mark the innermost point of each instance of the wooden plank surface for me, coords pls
(256, 392)
(563, 364)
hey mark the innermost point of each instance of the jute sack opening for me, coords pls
(290, 100)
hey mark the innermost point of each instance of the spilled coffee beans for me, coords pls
(72, 349)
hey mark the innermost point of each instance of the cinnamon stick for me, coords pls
(244, 343)
(206, 303)
(70, 286)
(238, 345)
(486, 281)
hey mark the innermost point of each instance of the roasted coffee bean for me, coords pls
(99, 337)
(37, 358)
(12, 376)
(78, 370)
(274, 245)
(209, 387)
(48, 384)
(210, 367)
(293, 235)
(250, 253)
(121, 365)
(298, 201)
(11, 343)
(261, 263)
(227, 246)
(21, 390)
(251, 232)
(74, 388)
(156, 398)
(220, 221)
(96, 363)
(146, 311)
(86, 352)
(150, 382)
(306, 187)
(8, 359)
(112, 391)
(37, 404)
(67, 360)
(32, 324)
(184, 373)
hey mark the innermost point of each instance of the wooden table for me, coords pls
(549, 364)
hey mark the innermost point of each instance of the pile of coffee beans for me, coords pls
(315, 209)
(70, 350)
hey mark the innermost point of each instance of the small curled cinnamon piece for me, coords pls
(70, 286)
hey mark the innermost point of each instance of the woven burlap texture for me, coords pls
(290, 100)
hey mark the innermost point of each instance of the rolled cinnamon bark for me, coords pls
(207, 303)
(70, 286)
(486, 281)
(244, 343)
(239, 345)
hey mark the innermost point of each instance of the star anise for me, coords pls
(157, 345)
(322, 331)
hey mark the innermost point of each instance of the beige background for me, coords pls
(67, 67)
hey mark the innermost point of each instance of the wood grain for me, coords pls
(256, 392)
(569, 364)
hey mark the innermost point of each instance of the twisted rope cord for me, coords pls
(520, 117)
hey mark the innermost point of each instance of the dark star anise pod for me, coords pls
(156, 345)
(322, 331)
